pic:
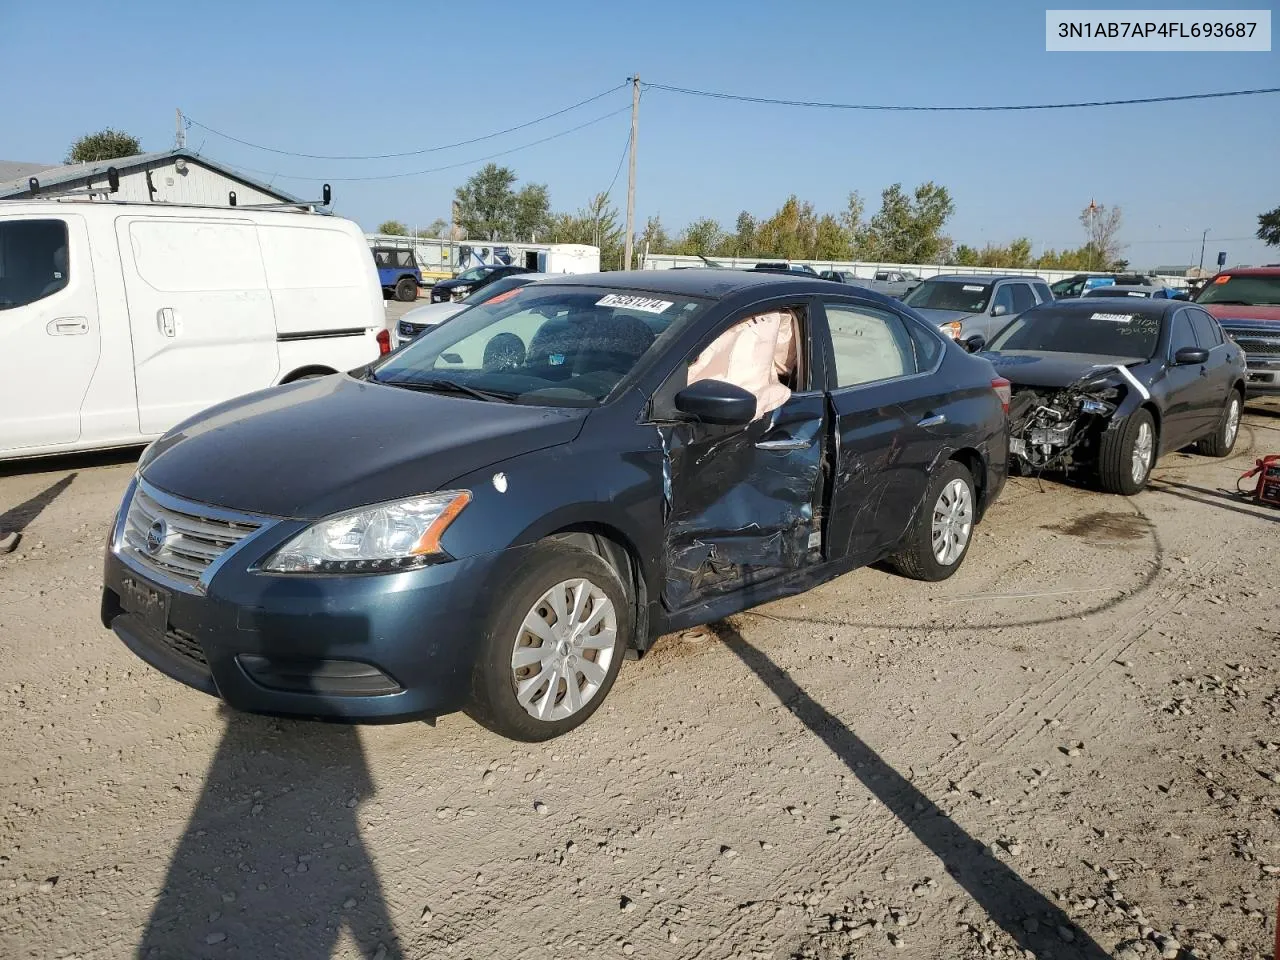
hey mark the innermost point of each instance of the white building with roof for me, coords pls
(171, 176)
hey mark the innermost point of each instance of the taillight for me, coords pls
(1004, 390)
(384, 341)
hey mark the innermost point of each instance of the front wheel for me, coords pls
(407, 290)
(1126, 455)
(939, 538)
(552, 646)
(1223, 439)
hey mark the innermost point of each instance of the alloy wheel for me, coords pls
(952, 522)
(1143, 447)
(563, 650)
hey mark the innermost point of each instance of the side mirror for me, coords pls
(1188, 356)
(714, 401)
(975, 343)
(999, 310)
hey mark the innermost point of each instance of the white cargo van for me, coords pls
(118, 320)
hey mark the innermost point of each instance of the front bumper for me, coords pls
(358, 648)
(1262, 376)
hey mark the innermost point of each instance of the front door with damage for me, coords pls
(743, 503)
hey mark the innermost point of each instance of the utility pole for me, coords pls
(180, 141)
(631, 172)
(1203, 237)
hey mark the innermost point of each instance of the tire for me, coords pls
(951, 502)
(1222, 441)
(526, 596)
(406, 289)
(1119, 467)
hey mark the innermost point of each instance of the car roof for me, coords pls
(708, 282)
(1250, 272)
(985, 277)
(1112, 287)
(1143, 306)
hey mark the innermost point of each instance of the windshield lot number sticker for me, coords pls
(1114, 317)
(969, 288)
(629, 302)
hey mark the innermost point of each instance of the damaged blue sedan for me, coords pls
(494, 517)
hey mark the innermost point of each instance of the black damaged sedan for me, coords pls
(1107, 388)
(495, 516)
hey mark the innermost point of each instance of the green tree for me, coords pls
(700, 238)
(965, 256)
(831, 240)
(908, 229)
(1269, 227)
(532, 212)
(394, 228)
(595, 224)
(791, 233)
(486, 203)
(654, 239)
(106, 144)
(1102, 227)
(438, 230)
(743, 241)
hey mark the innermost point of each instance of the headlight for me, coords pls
(952, 329)
(378, 539)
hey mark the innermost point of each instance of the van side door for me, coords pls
(200, 314)
(50, 336)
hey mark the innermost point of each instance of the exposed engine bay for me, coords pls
(1059, 428)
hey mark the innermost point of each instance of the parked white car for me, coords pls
(418, 319)
(119, 320)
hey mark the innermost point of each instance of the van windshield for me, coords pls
(544, 345)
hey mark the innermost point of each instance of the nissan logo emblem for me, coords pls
(157, 534)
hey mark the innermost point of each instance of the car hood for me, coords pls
(1026, 369)
(942, 316)
(455, 282)
(433, 313)
(1236, 311)
(317, 447)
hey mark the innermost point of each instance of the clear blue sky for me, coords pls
(328, 77)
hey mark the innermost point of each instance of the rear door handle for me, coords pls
(167, 322)
(791, 443)
(67, 327)
(933, 420)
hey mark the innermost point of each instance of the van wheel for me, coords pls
(939, 537)
(407, 289)
(1126, 456)
(552, 645)
(1223, 439)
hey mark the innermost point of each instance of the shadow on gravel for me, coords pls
(1223, 499)
(16, 519)
(271, 863)
(1007, 899)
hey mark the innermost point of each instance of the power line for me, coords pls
(947, 109)
(449, 166)
(407, 153)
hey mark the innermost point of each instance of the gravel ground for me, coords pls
(1068, 750)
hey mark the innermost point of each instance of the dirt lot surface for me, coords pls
(1068, 750)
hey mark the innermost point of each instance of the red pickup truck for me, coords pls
(1246, 302)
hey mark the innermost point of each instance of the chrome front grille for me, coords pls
(1258, 346)
(178, 539)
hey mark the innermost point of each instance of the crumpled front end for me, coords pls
(1058, 429)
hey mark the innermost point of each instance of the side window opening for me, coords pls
(1004, 298)
(1023, 298)
(869, 345)
(1182, 334)
(34, 261)
(760, 353)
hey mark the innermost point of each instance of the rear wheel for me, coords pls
(939, 538)
(407, 289)
(552, 646)
(1126, 456)
(1223, 439)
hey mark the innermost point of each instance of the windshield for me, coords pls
(501, 285)
(545, 345)
(1250, 290)
(475, 273)
(1107, 332)
(950, 295)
